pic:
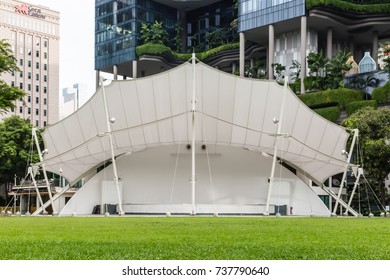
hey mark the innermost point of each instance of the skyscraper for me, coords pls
(34, 35)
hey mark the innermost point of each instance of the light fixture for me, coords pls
(275, 120)
(112, 120)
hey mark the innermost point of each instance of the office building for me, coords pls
(34, 34)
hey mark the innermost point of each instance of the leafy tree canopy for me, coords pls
(374, 131)
(15, 148)
(8, 64)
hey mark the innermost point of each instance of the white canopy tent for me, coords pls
(230, 111)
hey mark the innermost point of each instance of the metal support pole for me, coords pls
(355, 136)
(360, 172)
(36, 187)
(193, 109)
(278, 134)
(34, 131)
(109, 120)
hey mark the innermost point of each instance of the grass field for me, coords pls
(189, 238)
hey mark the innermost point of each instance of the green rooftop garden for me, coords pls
(367, 6)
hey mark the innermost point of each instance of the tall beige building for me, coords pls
(34, 34)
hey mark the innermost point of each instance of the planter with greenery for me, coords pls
(367, 6)
(382, 94)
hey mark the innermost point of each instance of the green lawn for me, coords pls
(185, 238)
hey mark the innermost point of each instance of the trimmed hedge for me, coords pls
(341, 96)
(160, 49)
(348, 6)
(357, 105)
(330, 113)
(382, 94)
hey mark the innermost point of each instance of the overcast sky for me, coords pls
(77, 41)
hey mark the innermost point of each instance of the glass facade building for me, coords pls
(257, 13)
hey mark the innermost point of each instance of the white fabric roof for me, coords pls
(230, 110)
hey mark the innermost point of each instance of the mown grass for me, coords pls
(193, 238)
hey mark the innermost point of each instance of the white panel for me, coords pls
(242, 101)
(273, 107)
(110, 193)
(316, 132)
(137, 137)
(58, 132)
(121, 139)
(180, 129)
(87, 123)
(146, 100)
(210, 92)
(178, 88)
(302, 123)
(252, 138)
(115, 105)
(130, 103)
(329, 141)
(165, 131)
(151, 134)
(162, 96)
(73, 129)
(238, 135)
(224, 132)
(199, 88)
(291, 108)
(340, 146)
(209, 129)
(226, 98)
(258, 105)
(267, 141)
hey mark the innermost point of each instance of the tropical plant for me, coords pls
(8, 64)
(384, 54)
(335, 69)
(154, 33)
(178, 37)
(296, 70)
(364, 83)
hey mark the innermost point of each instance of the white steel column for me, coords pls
(135, 69)
(193, 109)
(277, 121)
(34, 131)
(242, 54)
(303, 51)
(349, 155)
(109, 121)
(375, 47)
(271, 44)
(360, 172)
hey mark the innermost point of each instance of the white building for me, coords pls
(34, 35)
(72, 99)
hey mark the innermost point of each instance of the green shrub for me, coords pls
(354, 106)
(329, 113)
(381, 8)
(341, 96)
(160, 49)
(382, 94)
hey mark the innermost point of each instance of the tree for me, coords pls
(335, 69)
(15, 148)
(374, 131)
(8, 64)
(384, 54)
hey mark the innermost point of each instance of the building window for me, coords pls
(37, 100)
(29, 75)
(29, 63)
(45, 78)
(29, 111)
(21, 109)
(21, 50)
(45, 55)
(29, 52)
(36, 123)
(45, 43)
(37, 112)
(12, 84)
(37, 65)
(21, 85)
(37, 77)
(44, 124)
(37, 53)
(36, 88)
(29, 87)
(44, 89)
(21, 62)
(45, 67)
(44, 113)
(21, 74)
(29, 98)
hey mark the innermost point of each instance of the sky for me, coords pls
(76, 42)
